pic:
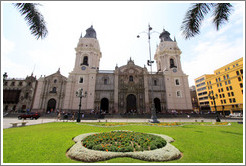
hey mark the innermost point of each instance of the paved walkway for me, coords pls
(8, 120)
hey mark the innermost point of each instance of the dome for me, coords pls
(90, 33)
(165, 36)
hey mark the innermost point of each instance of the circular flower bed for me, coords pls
(123, 141)
(81, 153)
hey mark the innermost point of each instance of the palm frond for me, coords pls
(221, 14)
(34, 19)
(193, 18)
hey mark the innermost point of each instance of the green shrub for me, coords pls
(112, 148)
(98, 147)
(153, 146)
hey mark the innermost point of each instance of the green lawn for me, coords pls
(48, 143)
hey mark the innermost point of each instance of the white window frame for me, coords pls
(180, 96)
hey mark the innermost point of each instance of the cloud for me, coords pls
(48, 61)
(213, 49)
(209, 56)
(7, 46)
(14, 69)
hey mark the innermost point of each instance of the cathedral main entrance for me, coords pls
(104, 105)
(51, 106)
(131, 103)
(157, 105)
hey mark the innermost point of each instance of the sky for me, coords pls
(117, 24)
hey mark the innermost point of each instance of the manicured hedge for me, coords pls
(123, 141)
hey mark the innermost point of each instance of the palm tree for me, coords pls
(34, 19)
(195, 15)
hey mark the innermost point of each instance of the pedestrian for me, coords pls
(73, 116)
(83, 115)
(59, 116)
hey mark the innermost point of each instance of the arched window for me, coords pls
(55, 81)
(155, 82)
(177, 81)
(81, 80)
(172, 64)
(85, 61)
(131, 78)
(54, 89)
(105, 81)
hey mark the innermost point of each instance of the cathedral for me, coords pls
(122, 90)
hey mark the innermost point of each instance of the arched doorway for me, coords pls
(104, 105)
(157, 105)
(51, 106)
(131, 103)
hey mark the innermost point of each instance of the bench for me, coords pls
(15, 124)
(23, 123)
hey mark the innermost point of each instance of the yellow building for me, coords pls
(202, 92)
(225, 88)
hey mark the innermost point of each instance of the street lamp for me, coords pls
(212, 97)
(79, 93)
(5, 76)
(149, 63)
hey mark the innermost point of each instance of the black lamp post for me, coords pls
(149, 63)
(80, 94)
(212, 97)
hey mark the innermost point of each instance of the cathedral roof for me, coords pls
(90, 33)
(165, 36)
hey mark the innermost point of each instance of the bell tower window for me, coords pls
(172, 64)
(85, 61)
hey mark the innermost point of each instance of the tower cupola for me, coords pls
(90, 33)
(165, 36)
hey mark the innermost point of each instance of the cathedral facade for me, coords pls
(125, 89)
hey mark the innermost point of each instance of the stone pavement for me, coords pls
(6, 121)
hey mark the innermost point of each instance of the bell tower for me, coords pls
(168, 61)
(168, 54)
(87, 60)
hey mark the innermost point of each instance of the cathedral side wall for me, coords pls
(38, 95)
(105, 86)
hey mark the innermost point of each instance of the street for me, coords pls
(8, 120)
